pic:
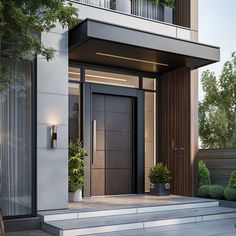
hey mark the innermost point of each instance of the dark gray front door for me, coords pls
(112, 162)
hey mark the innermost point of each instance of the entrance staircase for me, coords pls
(73, 222)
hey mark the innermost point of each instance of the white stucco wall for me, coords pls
(52, 108)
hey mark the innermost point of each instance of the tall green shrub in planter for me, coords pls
(203, 174)
(159, 177)
(230, 190)
(76, 170)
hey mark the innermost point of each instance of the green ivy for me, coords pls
(165, 3)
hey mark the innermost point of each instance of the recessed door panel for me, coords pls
(113, 160)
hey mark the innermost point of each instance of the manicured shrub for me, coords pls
(159, 174)
(232, 180)
(230, 194)
(203, 191)
(216, 191)
(203, 174)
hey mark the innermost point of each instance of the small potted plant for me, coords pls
(159, 177)
(76, 170)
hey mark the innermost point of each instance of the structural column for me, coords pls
(52, 109)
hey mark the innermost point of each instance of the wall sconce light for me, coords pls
(54, 136)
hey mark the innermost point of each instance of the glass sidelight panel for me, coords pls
(107, 78)
(16, 141)
(149, 83)
(150, 134)
(74, 111)
(74, 73)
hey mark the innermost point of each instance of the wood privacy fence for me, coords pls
(220, 162)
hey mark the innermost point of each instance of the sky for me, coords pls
(217, 26)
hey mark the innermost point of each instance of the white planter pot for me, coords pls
(123, 6)
(75, 196)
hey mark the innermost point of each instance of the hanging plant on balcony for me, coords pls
(164, 3)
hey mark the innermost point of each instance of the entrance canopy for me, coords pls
(102, 43)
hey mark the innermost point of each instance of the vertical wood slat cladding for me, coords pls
(182, 15)
(220, 162)
(175, 132)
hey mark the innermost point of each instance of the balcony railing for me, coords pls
(143, 8)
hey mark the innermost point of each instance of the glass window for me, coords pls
(16, 141)
(74, 73)
(74, 111)
(150, 134)
(108, 78)
(149, 83)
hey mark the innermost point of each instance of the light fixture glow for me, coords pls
(74, 73)
(105, 77)
(131, 59)
(54, 136)
(99, 76)
(101, 82)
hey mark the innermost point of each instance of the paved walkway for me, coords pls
(132, 200)
(210, 228)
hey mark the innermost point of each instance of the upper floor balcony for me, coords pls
(135, 14)
(142, 8)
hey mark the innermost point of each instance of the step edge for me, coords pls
(196, 217)
(137, 225)
(125, 211)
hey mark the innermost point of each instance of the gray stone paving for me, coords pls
(29, 233)
(135, 218)
(210, 228)
(129, 201)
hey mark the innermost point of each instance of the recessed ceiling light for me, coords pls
(74, 73)
(104, 77)
(130, 59)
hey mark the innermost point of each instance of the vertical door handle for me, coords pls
(94, 145)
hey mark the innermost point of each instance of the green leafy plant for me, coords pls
(230, 191)
(203, 174)
(203, 191)
(76, 165)
(22, 23)
(216, 191)
(232, 180)
(217, 126)
(165, 3)
(230, 194)
(159, 174)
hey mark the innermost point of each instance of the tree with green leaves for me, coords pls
(21, 25)
(217, 112)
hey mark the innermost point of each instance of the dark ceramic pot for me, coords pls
(160, 189)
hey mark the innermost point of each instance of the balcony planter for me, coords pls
(168, 15)
(123, 6)
(147, 9)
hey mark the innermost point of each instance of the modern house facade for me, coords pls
(124, 81)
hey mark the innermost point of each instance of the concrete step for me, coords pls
(88, 213)
(116, 223)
